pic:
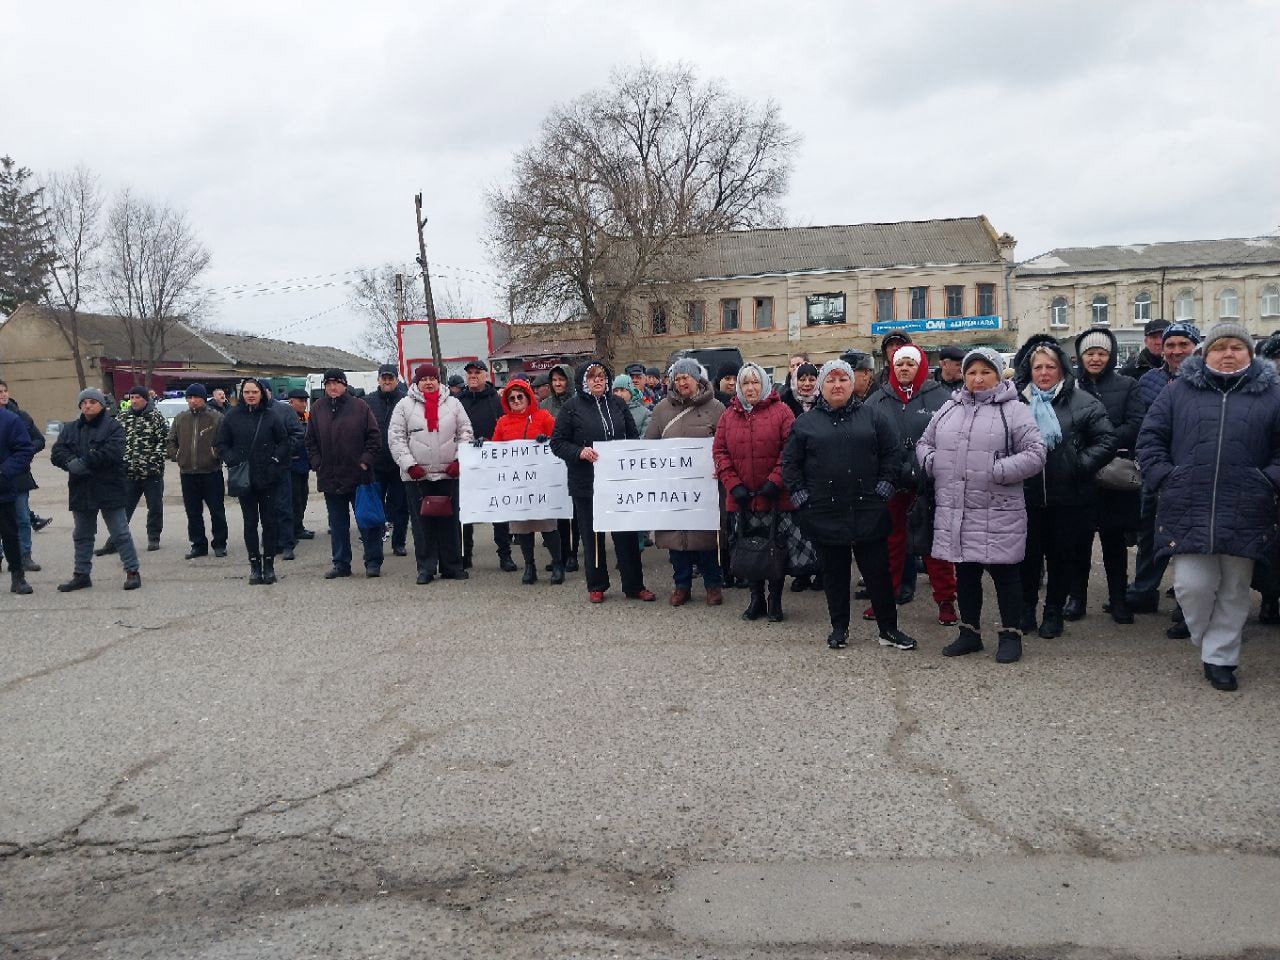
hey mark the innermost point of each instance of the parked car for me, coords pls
(171, 408)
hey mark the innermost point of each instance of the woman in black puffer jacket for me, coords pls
(1117, 510)
(1062, 497)
(593, 415)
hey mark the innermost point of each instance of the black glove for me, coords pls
(769, 490)
(478, 442)
(541, 438)
(741, 495)
(78, 468)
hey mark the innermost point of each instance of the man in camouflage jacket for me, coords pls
(146, 437)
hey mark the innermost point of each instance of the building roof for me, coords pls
(1155, 256)
(248, 350)
(187, 345)
(859, 246)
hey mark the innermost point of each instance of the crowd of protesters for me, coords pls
(974, 469)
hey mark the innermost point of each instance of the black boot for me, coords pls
(255, 571)
(1119, 609)
(530, 564)
(756, 608)
(1027, 623)
(969, 641)
(1074, 608)
(1270, 610)
(78, 581)
(19, 582)
(557, 573)
(268, 569)
(505, 563)
(1009, 650)
(774, 603)
(1051, 625)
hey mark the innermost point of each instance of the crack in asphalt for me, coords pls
(954, 788)
(69, 839)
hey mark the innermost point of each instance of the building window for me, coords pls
(695, 316)
(729, 315)
(657, 319)
(1058, 312)
(919, 303)
(1100, 310)
(955, 301)
(764, 313)
(1228, 305)
(1142, 308)
(824, 308)
(1270, 301)
(986, 299)
(1184, 307)
(884, 306)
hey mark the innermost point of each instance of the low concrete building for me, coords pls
(1068, 290)
(37, 362)
(822, 290)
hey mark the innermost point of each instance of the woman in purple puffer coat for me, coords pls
(978, 449)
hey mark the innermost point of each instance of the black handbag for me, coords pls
(920, 522)
(1120, 474)
(756, 558)
(239, 480)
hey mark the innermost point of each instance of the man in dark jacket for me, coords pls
(146, 436)
(91, 450)
(343, 443)
(24, 483)
(484, 407)
(300, 468)
(889, 343)
(192, 444)
(16, 451)
(948, 373)
(385, 472)
(1151, 355)
(1179, 342)
(286, 523)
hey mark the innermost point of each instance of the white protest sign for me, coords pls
(512, 480)
(655, 485)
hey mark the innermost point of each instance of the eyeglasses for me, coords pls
(596, 376)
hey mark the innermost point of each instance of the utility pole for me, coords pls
(399, 298)
(426, 285)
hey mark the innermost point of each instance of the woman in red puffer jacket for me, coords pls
(522, 419)
(748, 457)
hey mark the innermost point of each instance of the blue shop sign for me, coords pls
(936, 325)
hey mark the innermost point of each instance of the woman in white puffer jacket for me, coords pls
(423, 436)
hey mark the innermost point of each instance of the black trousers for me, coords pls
(152, 488)
(1008, 580)
(570, 536)
(1055, 539)
(436, 547)
(300, 488)
(9, 534)
(596, 561)
(258, 506)
(395, 505)
(501, 539)
(201, 490)
(1115, 563)
(873, 566)
(550, 539)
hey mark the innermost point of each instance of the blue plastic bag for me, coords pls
(368, 506)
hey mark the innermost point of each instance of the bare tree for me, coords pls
(375, 297)
(601, 202)
(75, 236)
(153, 261)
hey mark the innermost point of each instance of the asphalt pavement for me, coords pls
(369, 768)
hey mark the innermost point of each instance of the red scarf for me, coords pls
(906, 393)
(431, 408)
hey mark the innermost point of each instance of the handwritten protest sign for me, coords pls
(655, 485)
(514, 480)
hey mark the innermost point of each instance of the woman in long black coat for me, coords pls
(1117, 510)
(840, 463)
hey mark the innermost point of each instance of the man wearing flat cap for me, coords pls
(1151, 356)
(948, 373)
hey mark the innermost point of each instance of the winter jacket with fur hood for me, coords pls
(412, 443)
(978, 449)
(586, 420)
(1210, 447)
(1088, 439)
(695, 418)
(1118, 393)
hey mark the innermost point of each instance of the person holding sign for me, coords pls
(690, 411)
(840, 463)
(523, 420)
(425, 430)
(590, 416)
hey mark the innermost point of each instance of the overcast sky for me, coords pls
(295, 135)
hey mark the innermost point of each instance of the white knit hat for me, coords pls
(1095, 340)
